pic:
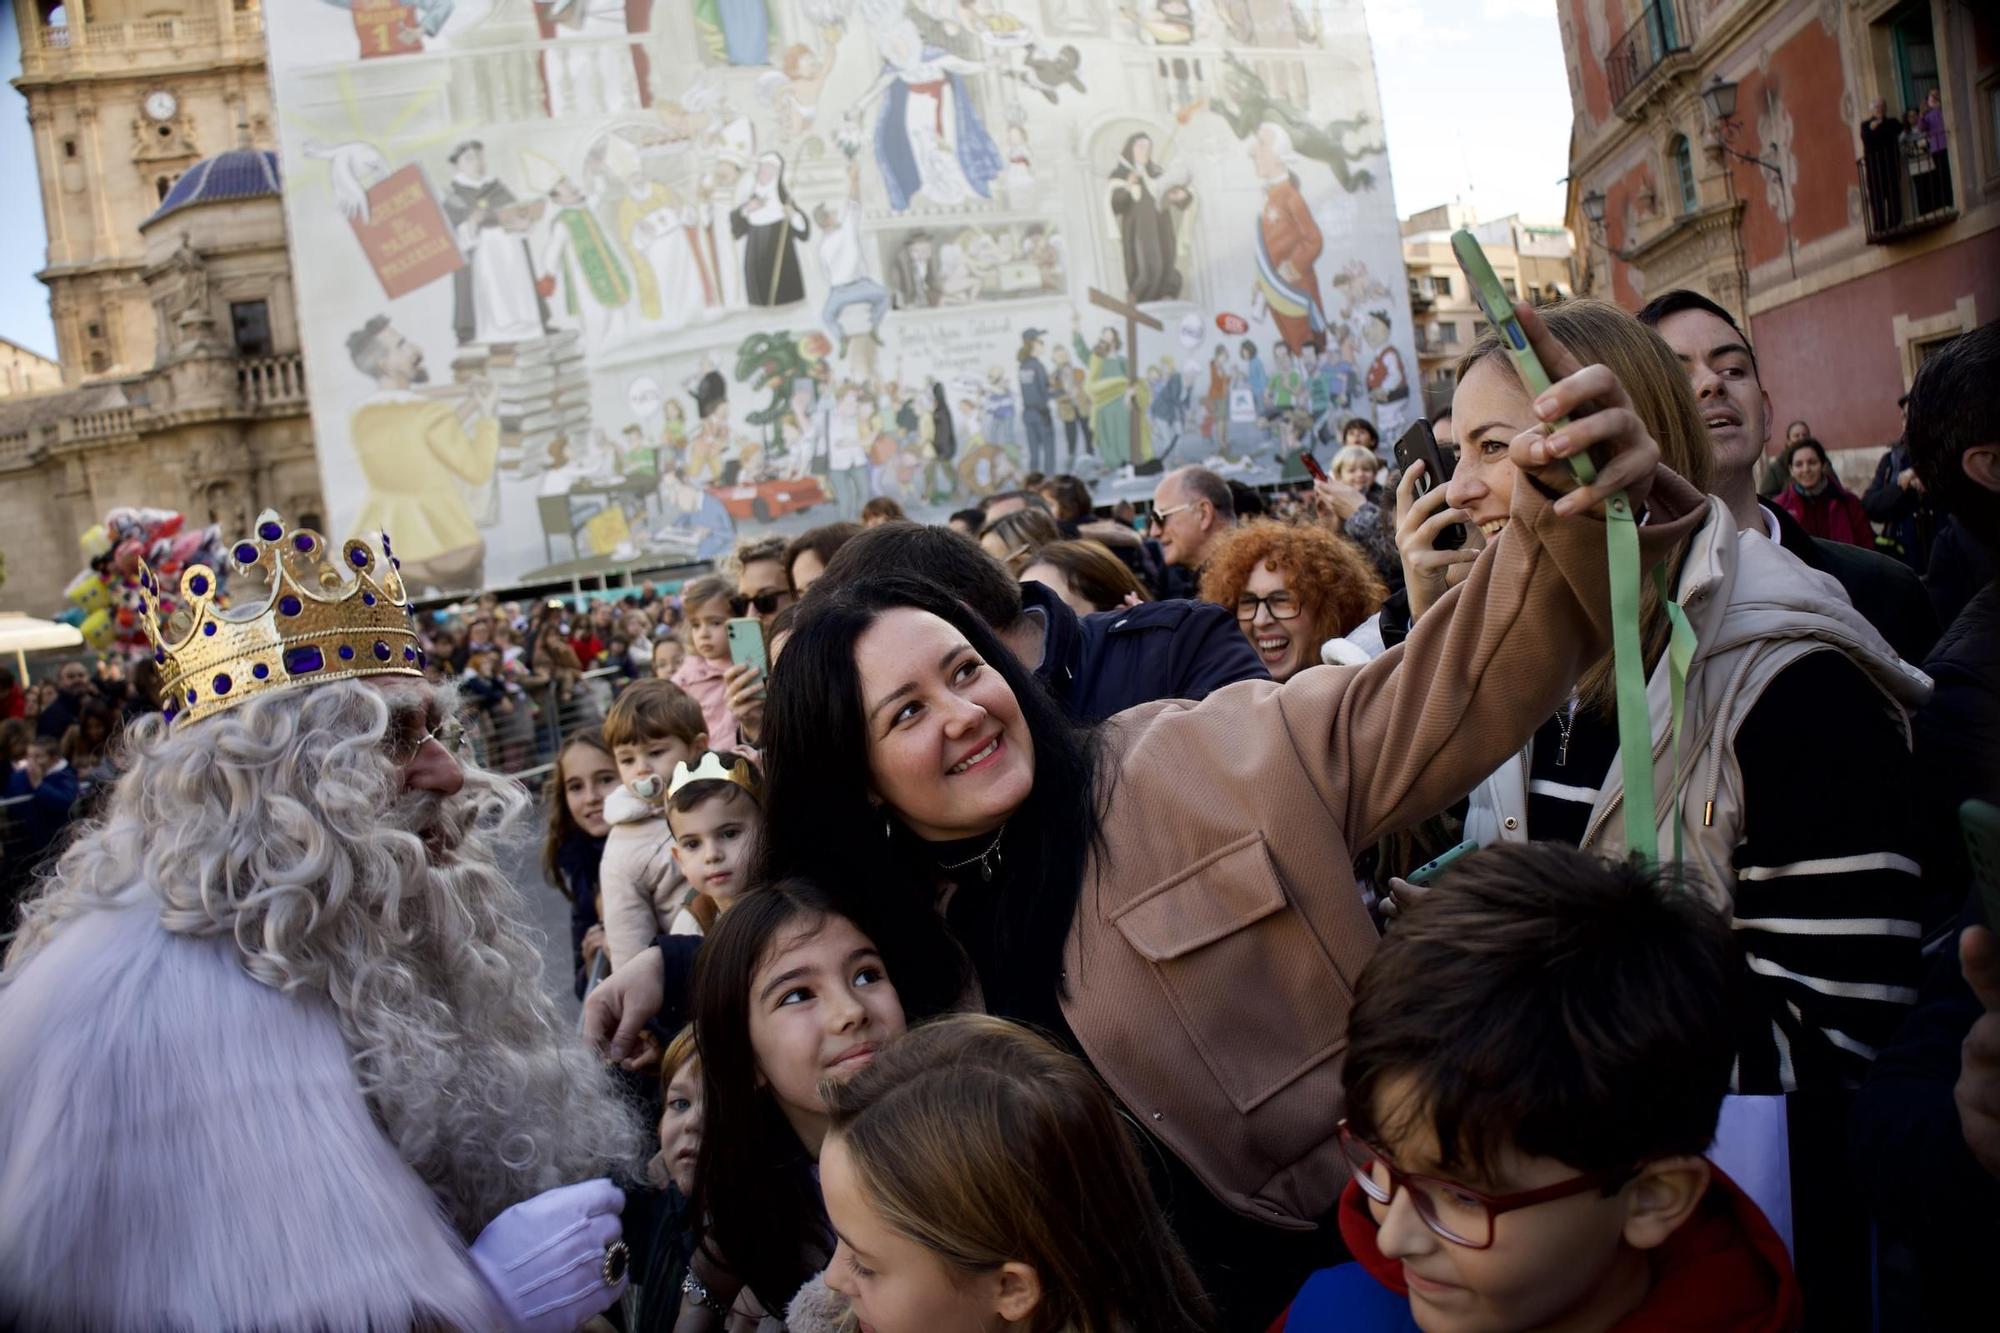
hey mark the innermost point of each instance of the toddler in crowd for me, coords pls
(976, 1177)
(705, 611)
(670, 1240)
(789, 995)
(715, 812)
(1535, 1064)
(653, 728)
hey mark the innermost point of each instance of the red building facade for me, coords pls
(1719, 145)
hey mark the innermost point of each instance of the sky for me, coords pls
(1445, 141)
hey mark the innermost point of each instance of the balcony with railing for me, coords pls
(269, 382)
(1651, 51)
(1908, 190)
(59, 46)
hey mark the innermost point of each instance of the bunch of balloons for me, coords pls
(104, 599)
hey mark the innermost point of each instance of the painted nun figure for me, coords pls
(771, 226)
(1146, 224)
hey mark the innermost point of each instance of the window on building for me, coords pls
(69, 148)
(1447, 333)
(1535, 293)
(161, 186)
(93, 330)
(1508, 285)
(251, 321)
(99, 363)
(1913, 47)
(1416, 288)
(1683, 156)
(1443, 281)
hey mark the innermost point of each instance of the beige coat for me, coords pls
(1219, 934)
(642, 884)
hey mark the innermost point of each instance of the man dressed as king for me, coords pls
(273, 1042)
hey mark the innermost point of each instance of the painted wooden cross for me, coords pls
(1134, 317)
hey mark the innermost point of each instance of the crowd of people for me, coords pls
(1038, 930)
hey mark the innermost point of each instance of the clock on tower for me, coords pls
(160, 104)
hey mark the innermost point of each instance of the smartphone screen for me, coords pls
(1311, 465)
(1418, 445)
(746, 642)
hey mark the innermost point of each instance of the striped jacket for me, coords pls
(1794, 816)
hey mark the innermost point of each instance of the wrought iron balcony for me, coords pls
(1660, 32)
(1907, 191)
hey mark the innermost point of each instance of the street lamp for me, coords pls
(1720, 99)
(1593, 208)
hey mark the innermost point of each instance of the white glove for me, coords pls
(545, 1257)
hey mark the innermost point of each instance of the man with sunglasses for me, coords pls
(1535, 1067)
(1192, 511)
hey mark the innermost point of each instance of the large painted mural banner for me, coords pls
(591, 284)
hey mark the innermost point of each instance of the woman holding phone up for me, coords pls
(1168, 893)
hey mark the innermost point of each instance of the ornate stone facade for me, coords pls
(172, 298)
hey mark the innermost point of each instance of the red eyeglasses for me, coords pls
(1459, 1213)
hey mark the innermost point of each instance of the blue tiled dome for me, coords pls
(240, 173)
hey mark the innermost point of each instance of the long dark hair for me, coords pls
(820, 824)
(754, 1186)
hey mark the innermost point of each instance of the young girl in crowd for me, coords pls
(975, 1177)
(573, 848)
(715, 812)
(705, 607)
(670, 1242)
(788, 995)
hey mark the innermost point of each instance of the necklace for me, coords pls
(1564, 721)
(989, 860)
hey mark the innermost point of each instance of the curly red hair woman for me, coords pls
(1292, 588)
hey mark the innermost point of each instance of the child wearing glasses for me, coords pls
(705, 609)
(1536, 1061)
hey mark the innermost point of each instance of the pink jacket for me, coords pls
(702, 679)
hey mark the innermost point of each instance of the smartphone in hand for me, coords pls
(746, 643)
(1418, 445)
(1311, 465)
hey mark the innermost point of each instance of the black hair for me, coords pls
(823, 541)
(1545, 999)
(1955, 405)
(1244, 502)
(1680, 298)
(753, 1178)
(1799, 446)
(953, 561)
(694, 793)
(821, 824)
(1365, 424)
(976, 518)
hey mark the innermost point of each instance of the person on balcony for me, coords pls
(1881, 156)
(1934, 187)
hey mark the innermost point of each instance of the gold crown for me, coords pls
(317, 626)
(710, 769)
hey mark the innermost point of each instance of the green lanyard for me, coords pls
(1621, 544)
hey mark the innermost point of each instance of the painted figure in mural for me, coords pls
(710, 440)
(1284, 383)
(588, 70)
(1255, 377)
(929, 139)
(1118, 402)
(1048, 72)
(846, 451)
(1388, 385)
(771, 225)
(843, 259)
(1288, 241)
(1215, 425)
(1043, 248)
(1168, 23)
(580, 261)
(997, 410)
(1247, 104)
(914, 274)
(792, 90)
(1145, 205)
(1035, 403)
(494, 298)
(662, 237)
(1317, 394)
(418, 453)
(696, 518)
(719, 188)
(1265, 23)
(738, 31)
(1020, 164)
(966, 266)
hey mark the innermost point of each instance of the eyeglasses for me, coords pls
(1281, 604)
(767, 603)
(1158, 518)
(450, 733)
(1459, 1213)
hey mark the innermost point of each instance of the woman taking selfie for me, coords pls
(1168, 893)
(1292, 587)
